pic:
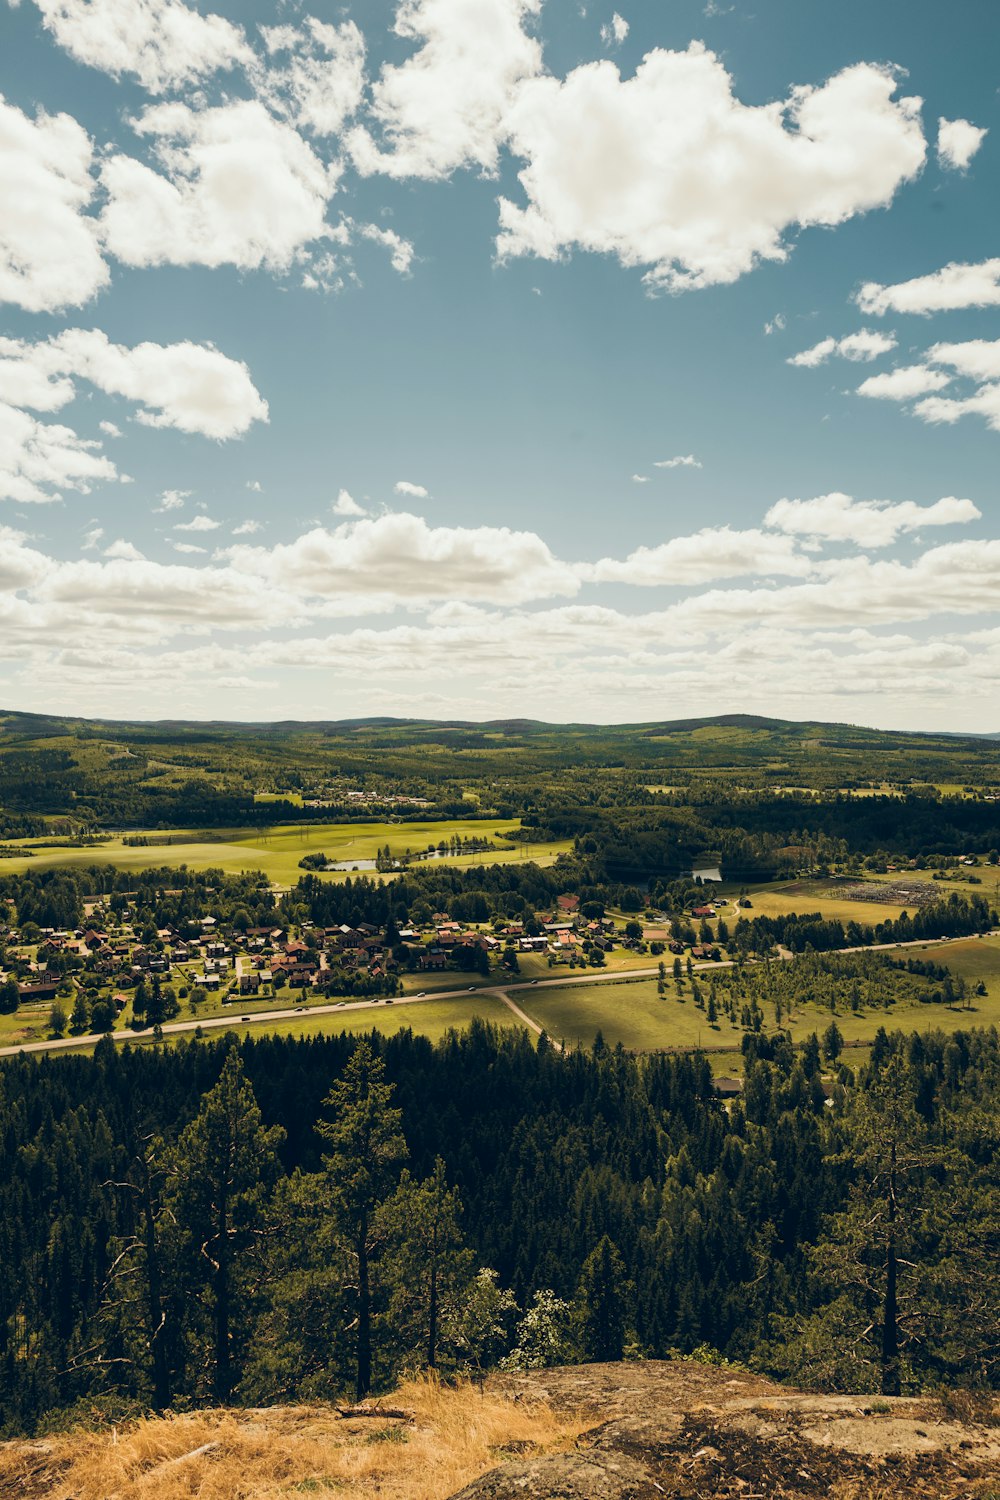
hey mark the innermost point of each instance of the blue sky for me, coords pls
(475, 357)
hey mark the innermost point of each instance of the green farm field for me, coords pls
(804, 896)
(631, 1012)
(780, 897)
(432, 1019)
(277, 851)
(972, 959)
(624, 1010)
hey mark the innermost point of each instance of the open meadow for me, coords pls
(632, 1013)
(277, 850)
(431, 1018)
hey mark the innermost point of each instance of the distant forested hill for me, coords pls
(109, 773)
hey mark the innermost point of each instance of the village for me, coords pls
(120, 970)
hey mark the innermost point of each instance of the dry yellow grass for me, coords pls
(274, 1453)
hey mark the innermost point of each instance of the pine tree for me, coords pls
(833, 1042)
(223, 1164)
(136, 1283)
(428, 1267)
(870, 1253)
(366, 1149)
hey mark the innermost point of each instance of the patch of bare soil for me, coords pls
(697, 1433)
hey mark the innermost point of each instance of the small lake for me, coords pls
(706, 873)
(418, 855)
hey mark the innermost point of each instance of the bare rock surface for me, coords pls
(691, 1432)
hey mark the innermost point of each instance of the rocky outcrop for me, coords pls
(691, 1432)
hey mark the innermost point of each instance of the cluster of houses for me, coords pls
(365, 799)
(219, 958)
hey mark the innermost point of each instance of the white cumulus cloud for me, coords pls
(445, 106)
(346, 505)
(714, 553)
(238, 187)
(669, 170)
(198, 523)
(682, 461)
(401, 556)
(985, 403)
(124, 551)
(957, 143)
(904, 383)
(978, 358)
(40, 459)
(171, 500)
(321, 83)
(415, 491)
(162, 43)
(614, 32)
(867, 344)
(49, 252)
(867, 523)
(955, 286)
(401, 251)
(190, 387)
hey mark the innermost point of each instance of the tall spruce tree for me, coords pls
(603, 1297)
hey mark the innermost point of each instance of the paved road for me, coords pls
(499, 992)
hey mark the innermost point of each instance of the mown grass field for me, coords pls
(973, 959)
(628, 1012)
(633, 1014)
(432, 1019)
(277, 850)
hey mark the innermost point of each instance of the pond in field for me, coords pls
(418, 856)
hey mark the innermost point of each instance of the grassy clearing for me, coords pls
(631, 1013)
(279, 1452)
(446, 979)
(277, 850)
(29, 1023)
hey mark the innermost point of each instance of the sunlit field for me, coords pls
(277, 851)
